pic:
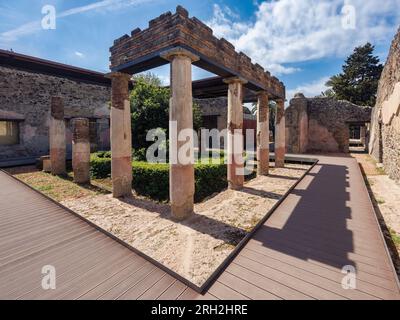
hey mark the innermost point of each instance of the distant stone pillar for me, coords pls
(262, 134)
(103, 134)
(280, 147)
(81, 150)
(57, 137)
(121, 136)
(181, 178)
(363, 132)
(235, 133)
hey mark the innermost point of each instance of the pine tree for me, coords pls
(358, 83)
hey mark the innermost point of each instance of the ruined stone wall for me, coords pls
(328, 124)
(28, 95)
(385, 122)
(215, 106)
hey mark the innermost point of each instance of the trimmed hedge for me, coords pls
(152, 180)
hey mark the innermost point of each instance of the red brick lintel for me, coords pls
(141, 51)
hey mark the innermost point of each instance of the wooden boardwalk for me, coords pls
(327, 222)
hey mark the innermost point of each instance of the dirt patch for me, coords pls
(196, 247)
(57, 187)
(368, 163)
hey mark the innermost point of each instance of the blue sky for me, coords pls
(302, 42)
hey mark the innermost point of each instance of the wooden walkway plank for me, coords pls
(326, 222)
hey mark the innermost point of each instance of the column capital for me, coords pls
(235, 80)
(178, 52)
(280, 101)
(119, 75)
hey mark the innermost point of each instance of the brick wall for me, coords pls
(178, 29)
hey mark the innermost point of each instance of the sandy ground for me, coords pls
(387, 194)
(196, 247)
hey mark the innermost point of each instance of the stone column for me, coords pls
(235, 133)
(57, 137)
(121, 135)
(81, 150)
(181, 177)
(363, 135)
(262, 134)
(280, 148)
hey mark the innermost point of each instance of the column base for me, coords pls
(181, 191)
(233, 186)
(122, 188)
(121, 172)
(184, 211)
(263, 162)
(58, 161)
(81, 173)
(280, 158)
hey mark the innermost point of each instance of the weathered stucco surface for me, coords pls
(321, 124)
(29, 95)
(385, 123)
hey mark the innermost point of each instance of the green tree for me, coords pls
(358, 82)
(150, 109)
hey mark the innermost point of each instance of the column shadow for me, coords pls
(315, 227)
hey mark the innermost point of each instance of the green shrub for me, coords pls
(103, 154)
(100, 165)
(139, 154)
(152, 180)
(209, 178)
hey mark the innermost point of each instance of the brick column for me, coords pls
(280, 142)
(235, 133)
(262, 134)
(57, 137)
(181, 178)
(121, 136)
(81, 150)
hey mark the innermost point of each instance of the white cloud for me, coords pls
(35, 26)
(290, 31)
(79, 54)
(310, 89)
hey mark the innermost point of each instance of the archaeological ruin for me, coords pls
(318, 125)
(28, 85)
(182, 41)
(385, 124)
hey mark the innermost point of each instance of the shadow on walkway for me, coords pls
(312, 226)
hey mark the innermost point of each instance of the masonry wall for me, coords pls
(385, 121)
(321, 124)
(215, 107)
(27, 95)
